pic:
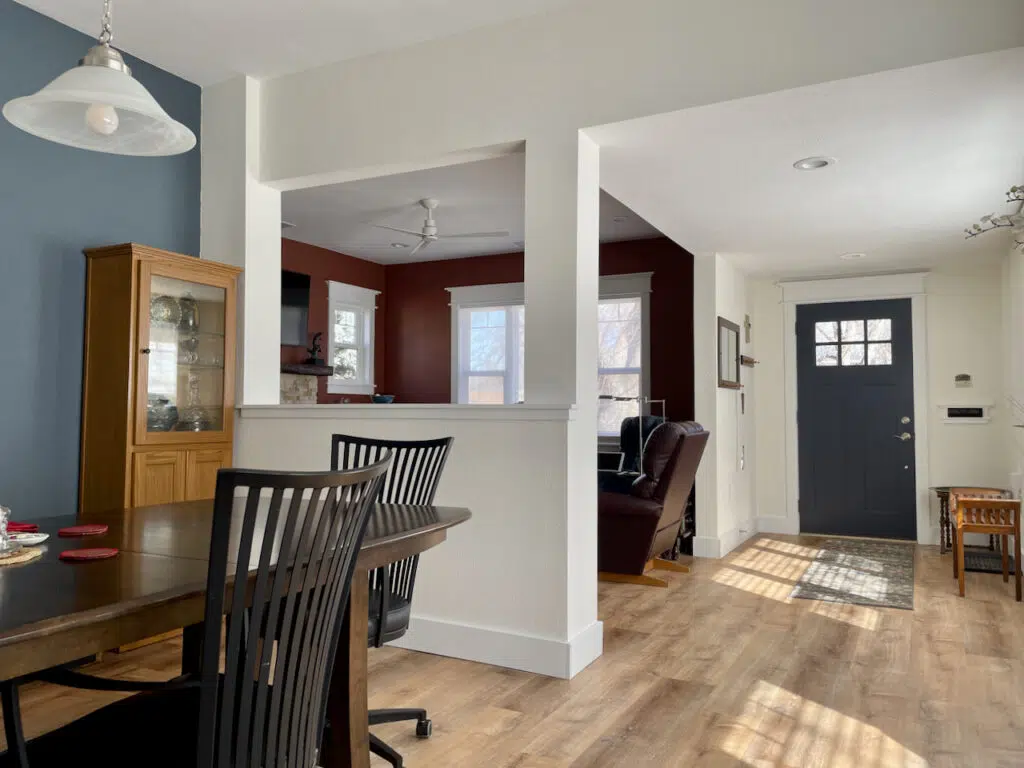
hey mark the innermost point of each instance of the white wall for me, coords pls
(964, 329)
(1013, 369)
(595, 62)
(496, 590)
(725, 481)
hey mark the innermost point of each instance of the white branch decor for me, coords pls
(1013, 221)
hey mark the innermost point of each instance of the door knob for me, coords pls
(904, 436)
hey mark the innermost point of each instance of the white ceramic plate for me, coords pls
(29, 539)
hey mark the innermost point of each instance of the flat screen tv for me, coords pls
(294, 308)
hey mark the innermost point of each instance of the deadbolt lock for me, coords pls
(905, 420)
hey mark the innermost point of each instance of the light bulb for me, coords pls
(102, 119)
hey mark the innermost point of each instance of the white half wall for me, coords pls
(962, 314)
(498, 590)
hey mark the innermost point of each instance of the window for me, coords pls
(491, 351)
(350, 346)
(850, 343)
(488, 345)
(619, 360)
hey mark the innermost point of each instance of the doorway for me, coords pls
(855, 419)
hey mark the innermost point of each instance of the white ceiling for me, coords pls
(207, 41)
(482, 196)
(921, 153)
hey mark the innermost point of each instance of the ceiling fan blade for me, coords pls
(412, 232)
(422, 244)
(367, 247)
(500, 233)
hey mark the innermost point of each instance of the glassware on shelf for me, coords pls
(161, 416)
(189, 346)
(165, 310)
(186, 355)
(189, 309)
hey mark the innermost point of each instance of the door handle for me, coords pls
(904, 436)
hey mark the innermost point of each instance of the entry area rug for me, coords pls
(859, 571)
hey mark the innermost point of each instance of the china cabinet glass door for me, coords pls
(183, 379)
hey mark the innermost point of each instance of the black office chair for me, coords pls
(245, 717)
(415, 473)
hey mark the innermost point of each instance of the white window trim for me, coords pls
(364, 301)
(505, 294)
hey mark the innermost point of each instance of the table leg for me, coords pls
(348, 738)
(945, 536)
(191, 649)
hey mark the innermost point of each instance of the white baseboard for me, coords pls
(711, 546)
(707, 546)
(732, 539)
(585, 648)
(528, 653)
(778, 525)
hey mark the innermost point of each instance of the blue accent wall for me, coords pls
(54, 202)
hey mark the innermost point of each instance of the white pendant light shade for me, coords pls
(123, 118)
(98, 105)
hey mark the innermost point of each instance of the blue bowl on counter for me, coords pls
(382, 399)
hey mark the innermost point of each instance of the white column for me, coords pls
(241, 225)
(705, 401)
(561, 283)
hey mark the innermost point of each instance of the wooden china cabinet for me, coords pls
(158, 389)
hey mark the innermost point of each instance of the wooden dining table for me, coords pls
(53, 612)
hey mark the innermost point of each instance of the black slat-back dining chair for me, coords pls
(413, 479)
(267, 709)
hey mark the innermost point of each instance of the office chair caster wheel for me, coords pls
(424, 728)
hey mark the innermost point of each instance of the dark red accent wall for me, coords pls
(322, 265)
(413, 349)
(419, 320)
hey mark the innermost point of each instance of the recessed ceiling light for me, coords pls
(852, 256)
(814, 163)
(399, 245)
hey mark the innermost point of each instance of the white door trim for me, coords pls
(904, 286)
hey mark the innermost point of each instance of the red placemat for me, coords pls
(82, 555)
(14, 527)
(95, 529)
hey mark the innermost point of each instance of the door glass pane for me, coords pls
(186, 356)
(825, 333)
(826, 354)
(880, 354)
(853, 330)
(879, 330)
(853, 354)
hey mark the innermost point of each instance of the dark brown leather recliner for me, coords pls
(634, 528)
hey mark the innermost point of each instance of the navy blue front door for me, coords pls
(855, 410)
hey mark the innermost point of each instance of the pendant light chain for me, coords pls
(107, 35)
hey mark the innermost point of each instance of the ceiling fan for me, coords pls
(429, 233)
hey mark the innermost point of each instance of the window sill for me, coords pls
(350, 389)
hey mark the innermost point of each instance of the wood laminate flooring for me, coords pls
(720, 669)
